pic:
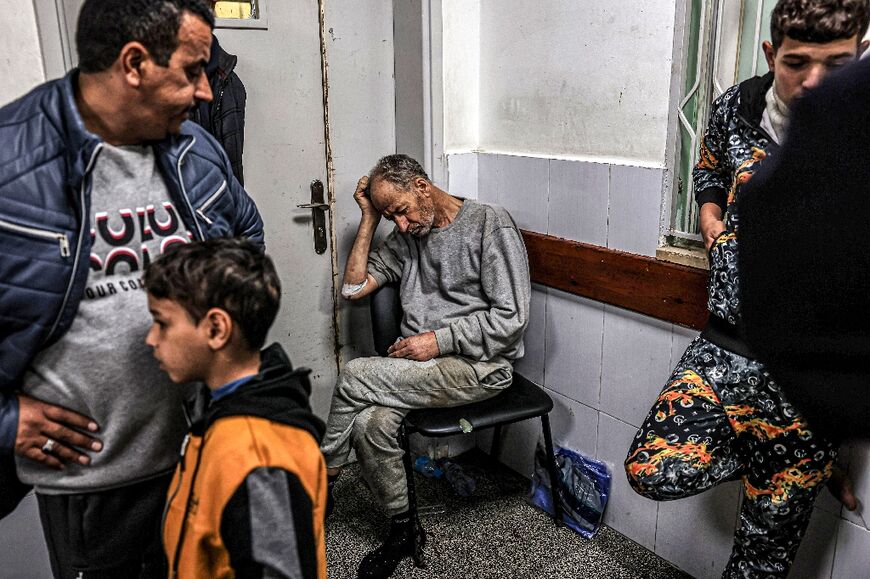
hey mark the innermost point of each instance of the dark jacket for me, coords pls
(45, 187)
(733, 133)
(733, 144)
(224, 116)
(249, 493)
(804, 261)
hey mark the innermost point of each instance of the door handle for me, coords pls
(318, 215)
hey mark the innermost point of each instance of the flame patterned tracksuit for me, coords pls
(721, 416)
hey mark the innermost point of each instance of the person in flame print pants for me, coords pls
(721, 417)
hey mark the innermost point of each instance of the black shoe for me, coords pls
(330, 485)
(382, 562)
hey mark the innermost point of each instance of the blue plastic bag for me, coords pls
(583, 487)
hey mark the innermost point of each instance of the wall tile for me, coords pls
(636, 363)
(579, 196)
(488, 167)
(24, 553)
(852, 558)
(522, 185)
(815, 558)
(827, 503)
(574, 425)
(573, 358)
(531, 365)
(706, 520)
(518, 443)
(682, 337)
(629, 513)
(635, 209)
(463, 175)
(857, 455)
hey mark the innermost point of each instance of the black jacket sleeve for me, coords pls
(268, 527)
(229, 121)
(713, 173)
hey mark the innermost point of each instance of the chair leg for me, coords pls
(553, 469)
(495, 448)
(404, 442)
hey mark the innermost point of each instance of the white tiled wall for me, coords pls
(463, 176)
(604, 366)
(858, 457)
(579, 201)
(696, 533)
(852, 554)
(815, 558)
(574, 331)
(635, 209)
(519, 184)
(635, 365)
(531, 365)
(629, 513)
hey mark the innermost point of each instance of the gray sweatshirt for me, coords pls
(101, 367)
(468, 282)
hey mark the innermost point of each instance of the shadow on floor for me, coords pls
(493, 533)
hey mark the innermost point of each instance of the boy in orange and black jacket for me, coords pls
(248, 496)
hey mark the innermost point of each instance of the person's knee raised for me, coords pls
(637, 471)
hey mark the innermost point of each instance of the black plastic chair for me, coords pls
(519, 401)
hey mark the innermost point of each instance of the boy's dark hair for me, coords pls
(231, 274)
(400, 170)
(818, 21)
(105, 26)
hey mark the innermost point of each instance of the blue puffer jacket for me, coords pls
(46, 158)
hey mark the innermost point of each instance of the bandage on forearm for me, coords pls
(351, 289)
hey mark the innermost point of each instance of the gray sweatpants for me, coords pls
(372, 397)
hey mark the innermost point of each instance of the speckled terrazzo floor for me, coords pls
(494, 533)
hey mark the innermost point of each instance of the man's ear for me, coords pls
(769, 54)
(218, 326)
(423, 186)
(133, 58)
(862, 47)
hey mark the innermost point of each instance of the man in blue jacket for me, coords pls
(99, 174)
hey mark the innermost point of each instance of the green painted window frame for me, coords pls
(704, 32)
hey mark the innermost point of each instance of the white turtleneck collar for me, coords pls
(775, 118)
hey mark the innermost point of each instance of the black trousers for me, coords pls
(108, 534)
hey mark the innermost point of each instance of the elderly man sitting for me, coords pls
(464, 285)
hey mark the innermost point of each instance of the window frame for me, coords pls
(713, 46)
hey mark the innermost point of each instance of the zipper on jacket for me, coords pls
(85, 221)
(210, 201)
(61, 238)
(758, 129)
(177, 488)
(177, 556)
(184, 189)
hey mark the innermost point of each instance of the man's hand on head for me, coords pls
(50, 434)
(421, 348)
(362, 196)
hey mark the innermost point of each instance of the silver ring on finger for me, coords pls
(48, 446)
